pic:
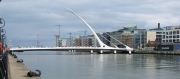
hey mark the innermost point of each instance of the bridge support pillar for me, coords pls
(115, 51)
(129, 52)
(101, 51)
(91, 51)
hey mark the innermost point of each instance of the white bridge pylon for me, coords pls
(100, 42)
(101, 48)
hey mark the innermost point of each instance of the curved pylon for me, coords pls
(100, 42)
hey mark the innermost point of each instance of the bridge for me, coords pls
(101, 48)
(71, 49)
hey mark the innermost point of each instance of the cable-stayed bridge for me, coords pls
(101, 47)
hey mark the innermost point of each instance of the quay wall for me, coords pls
(18, 70)
(156, 52)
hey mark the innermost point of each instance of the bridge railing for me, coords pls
(4, 66)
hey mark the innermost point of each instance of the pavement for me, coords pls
(18, 70)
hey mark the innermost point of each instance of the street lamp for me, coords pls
(2, 22)
(2, 36)
(1, 30)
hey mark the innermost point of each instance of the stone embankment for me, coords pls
(156, 52)
(18, 70)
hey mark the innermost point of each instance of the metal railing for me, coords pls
(4, 66)
(3, 54)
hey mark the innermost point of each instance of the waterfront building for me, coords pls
(140, 37)
(84, 41)
(118, 36)
(132, 36)
(155, 34)
(157, 29)
(129, 35)
(78, 41)
(90, 40)
(65, 42)
(105, 38)
(151, 36)
(169, 34)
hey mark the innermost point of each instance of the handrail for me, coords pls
(4, 66)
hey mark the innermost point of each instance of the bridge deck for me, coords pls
(66, 49)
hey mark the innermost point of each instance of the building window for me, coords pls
(174, 36)
(170, 36)
(170, 32)
(174, 32)
(163, 41)
(170, 40)
(166, 40)
(158, 32)
(177, 32)
(135, 32)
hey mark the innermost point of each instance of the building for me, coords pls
(157, 29)
(78, 41)
(115, 38)
(84, 41)
(140, 37)
(170, 34)
(168, 39)
(129, 35)
(132, 36)
(65, 42)
(151, 36)
(105, 38)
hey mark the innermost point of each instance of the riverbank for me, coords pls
(18, 70)
(157, 52)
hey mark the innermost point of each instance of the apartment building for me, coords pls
(167, 35)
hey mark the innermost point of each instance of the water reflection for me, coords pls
(78, 65)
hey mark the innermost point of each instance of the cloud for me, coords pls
(27, 18)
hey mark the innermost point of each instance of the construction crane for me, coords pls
(38, 42)
(70, 34)
(84, 32)
(59, 29)
(70, 38)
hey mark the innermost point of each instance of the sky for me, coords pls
(28, 19)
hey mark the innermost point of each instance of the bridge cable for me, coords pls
(110, 36)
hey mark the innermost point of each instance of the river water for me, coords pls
(76, 65)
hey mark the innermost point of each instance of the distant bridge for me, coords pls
(71, 49)
(103, 47)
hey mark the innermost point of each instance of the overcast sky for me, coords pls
(25, 19)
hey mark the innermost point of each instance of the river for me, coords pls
(76, 65)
